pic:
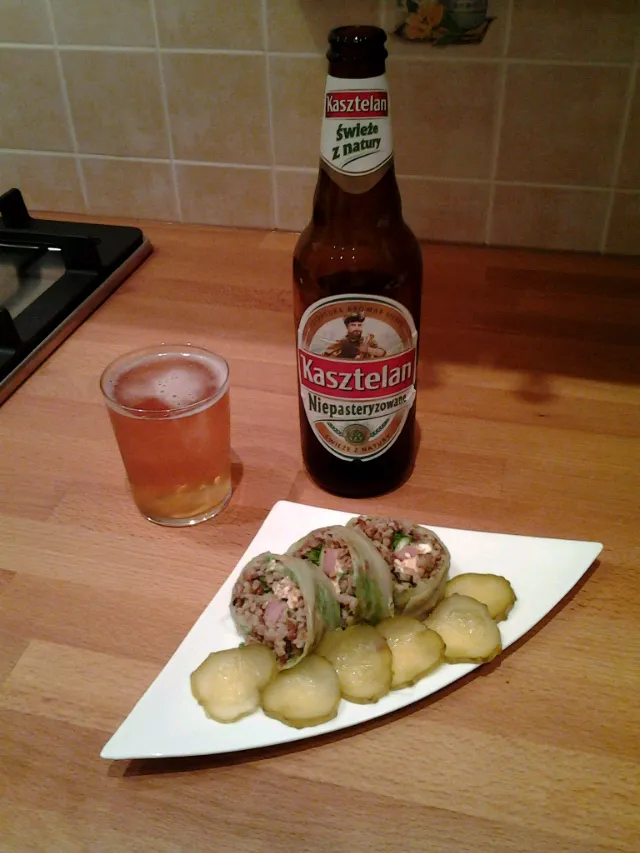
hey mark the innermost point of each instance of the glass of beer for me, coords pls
(169, 408)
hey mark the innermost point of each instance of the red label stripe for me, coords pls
(344, 379)
(373, 104)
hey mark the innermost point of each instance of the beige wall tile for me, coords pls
(443, 114)
(297, 93)
(116, 103)
(561, 124)
(435, 210)
(439, 210)
(129, 188)
(105, 22)
(25, 21)
(301, 26)
(443, 117)
(32, 113)
(295, 199)
(624, 228)
(218, 195)
(491, 45)
(47, 182)
(218, 107)
(548, 218)
(218, 24)
(597, 30)
(629, 176)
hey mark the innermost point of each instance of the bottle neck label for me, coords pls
(357, 361)
(356, 137)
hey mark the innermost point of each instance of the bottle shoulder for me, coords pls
(336, 245)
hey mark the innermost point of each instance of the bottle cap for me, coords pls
(356, 43)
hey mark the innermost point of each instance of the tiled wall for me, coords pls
(209, 111)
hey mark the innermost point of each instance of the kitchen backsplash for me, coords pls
(208, 111)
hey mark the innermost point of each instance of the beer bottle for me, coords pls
(357, 286)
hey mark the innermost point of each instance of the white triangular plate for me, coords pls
(168, 722)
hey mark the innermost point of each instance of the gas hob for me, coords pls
(53, 274)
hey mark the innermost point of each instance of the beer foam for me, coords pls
(173, 381)
(179, 386)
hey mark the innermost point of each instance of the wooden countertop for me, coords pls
(529, 412)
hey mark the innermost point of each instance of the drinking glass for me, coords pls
(169, 408)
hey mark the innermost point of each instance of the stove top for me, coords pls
(52, 276)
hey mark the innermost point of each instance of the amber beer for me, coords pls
(169, 408)
(357, 287)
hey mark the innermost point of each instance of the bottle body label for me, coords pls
(357, 362)
(356, 134)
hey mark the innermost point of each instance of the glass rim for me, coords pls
(159, 350)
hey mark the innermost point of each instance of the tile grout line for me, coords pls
(502, 183)
(67, 109)
(275, 207)
(506, 60)
(617, 159)
(382, 15)
(499, 118)
(429, 59)
(166, 113)
(309, 170)
(221, 165)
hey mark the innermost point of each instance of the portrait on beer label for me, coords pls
(357, 362)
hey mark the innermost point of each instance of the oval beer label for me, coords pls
(357, 362)
(356, 125)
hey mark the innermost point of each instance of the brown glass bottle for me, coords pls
(357, 260)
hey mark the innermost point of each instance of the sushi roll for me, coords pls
(418, 560)
(284, 603)
(359, 576)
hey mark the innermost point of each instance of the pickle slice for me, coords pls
(415, 649)
(227, 684)
(261, 661)
(493, 590)
(305, 695)
(362, 661)
(469, 633)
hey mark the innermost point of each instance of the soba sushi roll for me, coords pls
(358, 574)
(418, 560)
(284, 603)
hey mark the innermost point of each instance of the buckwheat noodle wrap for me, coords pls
(417, 558)
(359, 576)
(285, 603)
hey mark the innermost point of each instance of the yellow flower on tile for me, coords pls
(432, 13)
(416, 28)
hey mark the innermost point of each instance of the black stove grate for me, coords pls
(53, 274)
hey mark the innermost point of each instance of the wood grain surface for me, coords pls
(529, 412)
